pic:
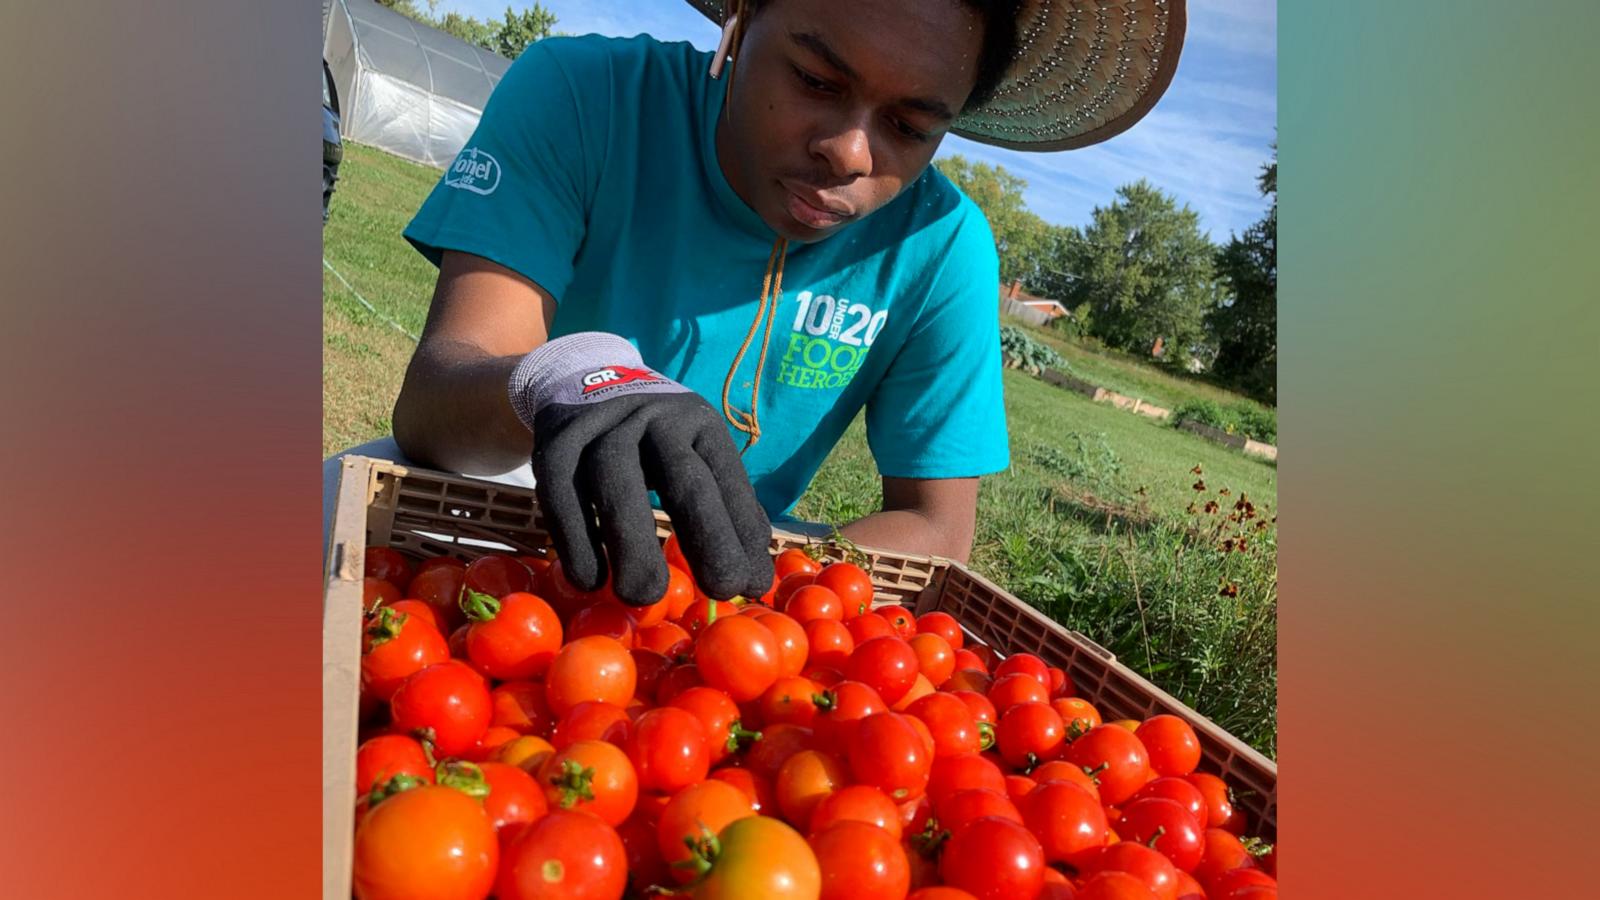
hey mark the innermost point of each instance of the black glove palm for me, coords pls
(606, 432)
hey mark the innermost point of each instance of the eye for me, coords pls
(909, 132)
(812, 82)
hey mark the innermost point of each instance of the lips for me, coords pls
(810, 208)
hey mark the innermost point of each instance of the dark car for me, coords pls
(332, 147)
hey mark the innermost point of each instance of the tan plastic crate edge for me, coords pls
(341, 673)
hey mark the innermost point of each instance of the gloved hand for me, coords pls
(606, 430)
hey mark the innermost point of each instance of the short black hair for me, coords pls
(994, 56)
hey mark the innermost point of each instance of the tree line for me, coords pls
(507, 37)
(1141, 271)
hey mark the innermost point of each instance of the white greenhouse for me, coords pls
(405, 87)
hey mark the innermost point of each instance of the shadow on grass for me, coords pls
(1102, 515)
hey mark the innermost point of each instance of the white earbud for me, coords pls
(723, 47)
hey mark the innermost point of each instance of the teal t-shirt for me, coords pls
(593, 173)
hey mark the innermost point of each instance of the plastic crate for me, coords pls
(426, 513)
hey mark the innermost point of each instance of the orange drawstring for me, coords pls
(772, 283)
(771, 295)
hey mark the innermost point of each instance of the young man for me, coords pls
(660, 273)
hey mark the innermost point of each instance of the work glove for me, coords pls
(606, 431)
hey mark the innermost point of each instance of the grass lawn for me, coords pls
(1125, 374)
(363, 357)
(1091, 524)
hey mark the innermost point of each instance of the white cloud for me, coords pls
(1247, 27)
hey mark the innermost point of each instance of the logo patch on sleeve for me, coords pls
(475, 171)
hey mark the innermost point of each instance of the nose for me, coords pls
(846, 149)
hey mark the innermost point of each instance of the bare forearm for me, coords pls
(909, 531)
(453, 412)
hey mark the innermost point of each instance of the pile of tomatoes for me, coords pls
(523, 739)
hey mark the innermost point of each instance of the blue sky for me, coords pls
(1204, 142)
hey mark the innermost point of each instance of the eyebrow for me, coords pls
(817, 45)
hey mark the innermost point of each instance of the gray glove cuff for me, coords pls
(586, 367)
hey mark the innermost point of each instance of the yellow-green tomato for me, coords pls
(761, 857)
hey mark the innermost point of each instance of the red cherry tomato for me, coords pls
(787, 585)
(394, 645)
(777, 743)
(858, 803)
(667, 638)
(1187, 795)
(564, 856)
(497, 575)
(860, 861)
(830, 643)
(900, 619)
(590, 668)
(851, 584)
(966, 659)
(1155, 871)
(718, 715)
(789, 700)
(738, 655)
(993, 859)
(935, 659)
(793, 647)
(1220, 852)
(1025, 663)
(1061, 770)
(1030, 733)
(706, 807)
(376, 592)
(956, 810)
(886, 752)
(965, 772)
(795, 560)
(388, 564)
(839, 709)
(758, 788)
(441, 588)
(1113, 886)
(511, 638)
(593, 777)
(593, 720)
(805, 778)
(608, 618)
(514, 800)
(521, 706)
(813, 601)
(648, 667)
(1172, 745)
(1219, 800)
(448, 700)
(668, 750)
(1242, 884)
(383, 757)
(1017, 687)
(886, 664)
(1068, 821)
(869, 625)
(1116, 759)
(954, 730)
(430, 841)
(1079, 714)
(944, 625)
(1165, 827)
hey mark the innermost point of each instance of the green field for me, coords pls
(1125, 374)
(1091, 524)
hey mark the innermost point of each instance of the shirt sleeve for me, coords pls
(939, 411)
(519, 191)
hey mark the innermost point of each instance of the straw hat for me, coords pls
(1085, 71)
